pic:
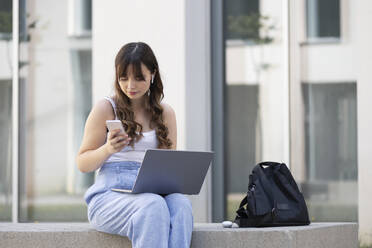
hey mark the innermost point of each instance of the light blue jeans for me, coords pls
(148, 220)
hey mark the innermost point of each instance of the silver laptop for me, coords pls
(171, 171)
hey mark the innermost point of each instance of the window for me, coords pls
(80, 18)
(323, 18)
(242, 19)
(331, 151)
(6, 17)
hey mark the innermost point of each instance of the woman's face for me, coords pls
(135, 87)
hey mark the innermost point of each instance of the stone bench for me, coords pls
(79, 235)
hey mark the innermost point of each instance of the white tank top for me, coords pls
(148, 141)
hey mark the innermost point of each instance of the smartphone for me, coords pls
(115, 124)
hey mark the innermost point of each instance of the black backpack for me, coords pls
(273, 199)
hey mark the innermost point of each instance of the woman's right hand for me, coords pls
(116, 141)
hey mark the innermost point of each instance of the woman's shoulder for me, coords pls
(167, 109)
(168, 113)
(103, 108)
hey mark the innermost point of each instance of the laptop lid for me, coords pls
(172, 171)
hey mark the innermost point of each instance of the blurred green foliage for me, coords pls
(5, 22)
(253, 27)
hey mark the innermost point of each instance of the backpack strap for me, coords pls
(258, 169)
(242, 213)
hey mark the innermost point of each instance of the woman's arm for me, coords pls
(94, 150)
(171, 123)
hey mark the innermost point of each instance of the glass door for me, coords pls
(6, 60)
(323, 107)
(255, 97)
(55, 99)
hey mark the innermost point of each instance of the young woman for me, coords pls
(148, 220)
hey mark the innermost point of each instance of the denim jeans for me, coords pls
(148, 220)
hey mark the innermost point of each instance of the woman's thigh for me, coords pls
(112, 211)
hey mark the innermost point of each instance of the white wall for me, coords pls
(176, 31)
(328, 63)
(120, 22)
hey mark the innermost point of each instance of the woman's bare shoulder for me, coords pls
(103, 110)
(168, 113)
(170, 121)
(95, 126)
(167, 109)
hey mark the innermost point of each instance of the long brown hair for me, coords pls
(134, 54)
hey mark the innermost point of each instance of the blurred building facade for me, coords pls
(253, 81)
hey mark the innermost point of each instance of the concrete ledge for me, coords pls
(81, 235)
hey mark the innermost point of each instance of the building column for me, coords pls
(364, 103)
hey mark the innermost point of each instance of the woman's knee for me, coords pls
(178, 200)
(154, 205)
(179, 203)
